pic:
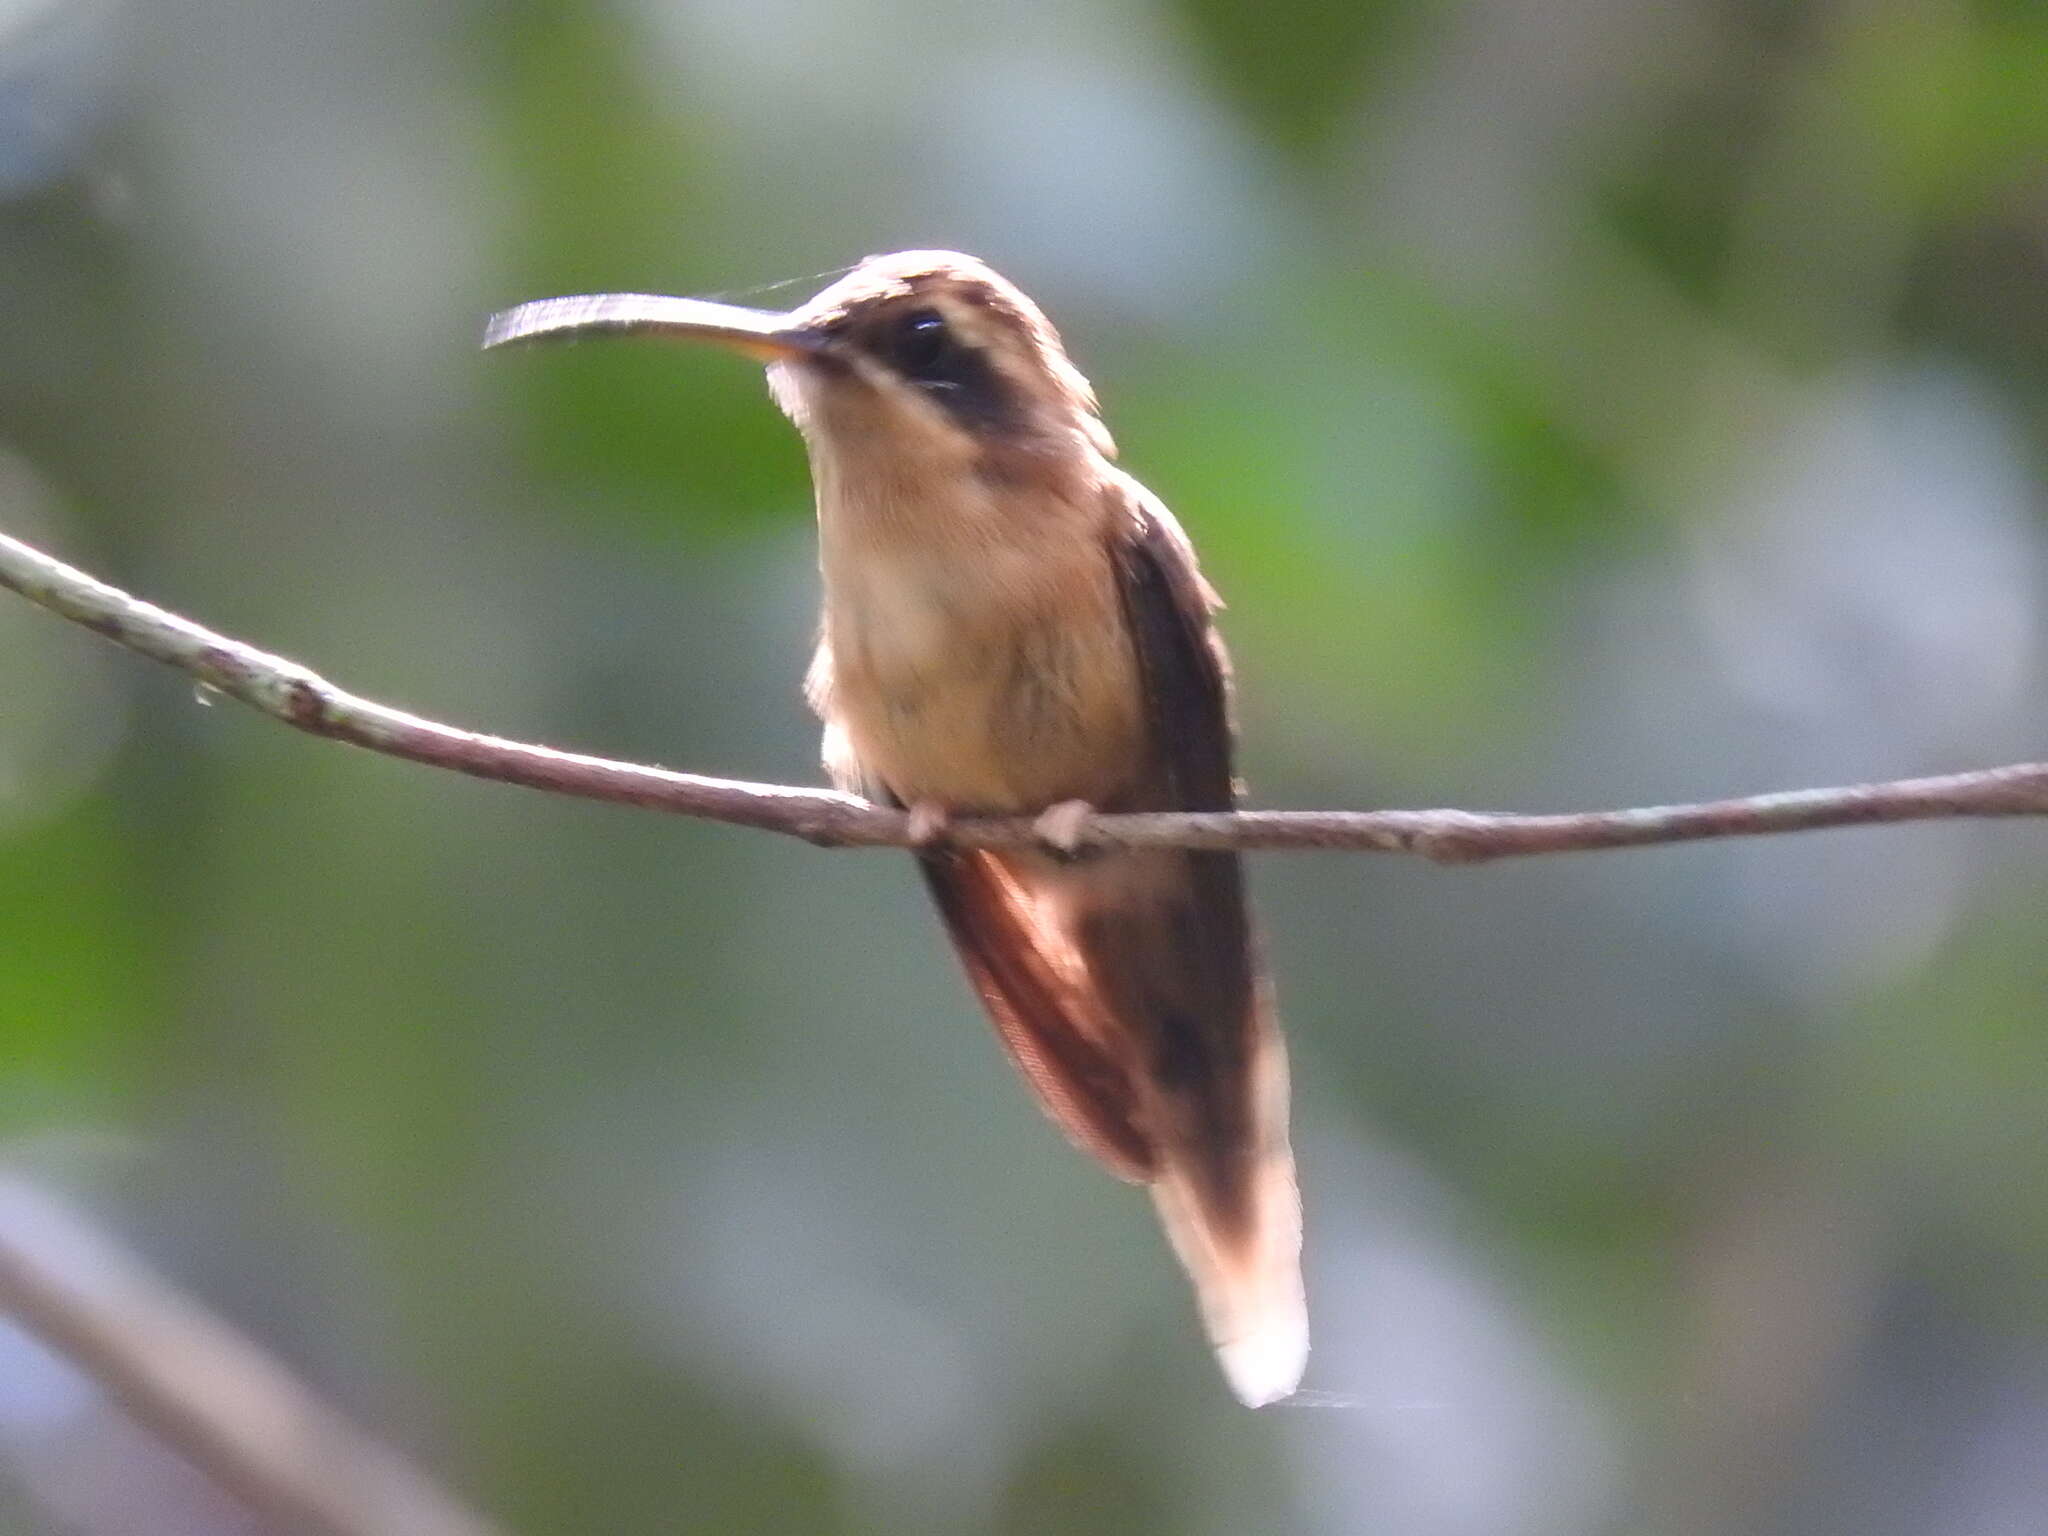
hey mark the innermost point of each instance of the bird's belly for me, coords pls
(975, 705)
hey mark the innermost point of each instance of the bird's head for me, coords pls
(921, 354)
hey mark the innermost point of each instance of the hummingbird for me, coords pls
(1012, 625)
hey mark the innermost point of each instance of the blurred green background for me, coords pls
(1579, 402)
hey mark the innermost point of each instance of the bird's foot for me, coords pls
(1060, 827)
(929, 822)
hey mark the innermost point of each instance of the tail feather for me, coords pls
(1241, 1243)
(1166, 945)
(1126, 990)
(1248, 1285)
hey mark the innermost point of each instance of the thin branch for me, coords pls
(204, 1389)
(289, 692)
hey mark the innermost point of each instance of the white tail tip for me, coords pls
(1251, 1301)
(1265, 1366)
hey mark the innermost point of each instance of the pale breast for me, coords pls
(992, 680)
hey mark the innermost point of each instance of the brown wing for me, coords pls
(1167, 934)
(1105, 976)
(1186, 674)
(1127, 989)
(1169, 943)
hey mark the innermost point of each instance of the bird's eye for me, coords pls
(925, 351)
(921, 341)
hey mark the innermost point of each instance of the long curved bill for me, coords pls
(759, 333)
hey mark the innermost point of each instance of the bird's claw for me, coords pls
(928, 823)
(1060, 827)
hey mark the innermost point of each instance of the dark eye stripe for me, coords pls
(920, 346)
